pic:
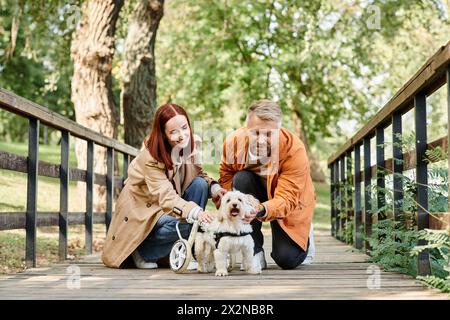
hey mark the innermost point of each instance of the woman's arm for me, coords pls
(161, 188)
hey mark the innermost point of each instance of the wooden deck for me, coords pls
(337, 273)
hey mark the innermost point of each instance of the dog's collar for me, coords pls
(220, 235)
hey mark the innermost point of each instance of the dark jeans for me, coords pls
(285, 252)
(160, 241)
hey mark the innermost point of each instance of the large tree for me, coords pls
(138, 96)
(92, 51)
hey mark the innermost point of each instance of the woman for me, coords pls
(164, 184)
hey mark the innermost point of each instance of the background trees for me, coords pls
(330, 64)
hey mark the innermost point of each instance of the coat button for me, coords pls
(114, 237)
(149, 204)
(126, 219)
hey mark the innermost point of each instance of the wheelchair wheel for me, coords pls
(180, 256)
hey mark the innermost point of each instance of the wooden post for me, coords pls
(397, 164)
(381, 186)
(343, 194)
(64, 194)
(358, 212)
(367, 193)
(88, 223)
(109, 186)
(349, 190)
(423, 261)
(126, 162)
(332, 197)
(32, 184)
(448, 128)
(338, 189)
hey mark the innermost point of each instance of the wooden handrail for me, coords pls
(31, 218)
(427, 79)
(19, 105)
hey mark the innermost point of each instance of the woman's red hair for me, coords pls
(157, 144)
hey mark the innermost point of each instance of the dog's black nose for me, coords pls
(234, 205)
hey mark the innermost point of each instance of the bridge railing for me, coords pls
(347, 176)
(31, 165)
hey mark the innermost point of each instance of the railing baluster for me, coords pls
(420, 104)
(126, 162)
(343, 194)
(381, 186)
(64, 194)
(32, 185)
(397, 164)
(349, 190)
(367, 193)
(358, 213)
(109, 186)
(338, 194)
(448, 129)
(88, 223)
(333, 198)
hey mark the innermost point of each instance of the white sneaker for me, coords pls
(140, 262)
(193, 265)
(262, 260)
(311, 248)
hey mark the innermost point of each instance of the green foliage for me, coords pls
(391, 244)
(316, 57)
(438, 244)
(39, 66)
(394, 243)
(348, 234)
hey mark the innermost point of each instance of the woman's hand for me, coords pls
(205, 217)
(217, 197)
(248, 218)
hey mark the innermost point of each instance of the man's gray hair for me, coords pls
(266, 110)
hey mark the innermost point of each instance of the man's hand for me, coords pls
(217, 197)
(249, 216)
(205, 217)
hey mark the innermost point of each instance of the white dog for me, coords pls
(227, 235)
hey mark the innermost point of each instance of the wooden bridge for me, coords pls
(338, 272)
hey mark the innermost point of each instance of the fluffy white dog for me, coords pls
(228, 235)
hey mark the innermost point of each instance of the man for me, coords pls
(269, 162)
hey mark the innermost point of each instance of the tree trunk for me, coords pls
(138, 97)
(317, 174)
(92, 51)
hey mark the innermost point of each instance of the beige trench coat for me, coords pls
(150, 191)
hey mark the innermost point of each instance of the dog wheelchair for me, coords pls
(181, 252)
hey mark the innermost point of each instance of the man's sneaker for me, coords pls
(311, 248)
(140, 262)
(193, 265)
(261, 258)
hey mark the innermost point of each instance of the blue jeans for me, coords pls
(160, 240)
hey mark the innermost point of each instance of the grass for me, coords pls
(13, 198)
(12, 246)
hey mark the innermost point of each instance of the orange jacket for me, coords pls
(289, 188)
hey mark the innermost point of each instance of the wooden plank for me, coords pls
(16, 220)
(431, 72)
(409, 158)
(24, 107)
(332, 280)
(10, 161)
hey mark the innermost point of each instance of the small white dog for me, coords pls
(228, 235)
